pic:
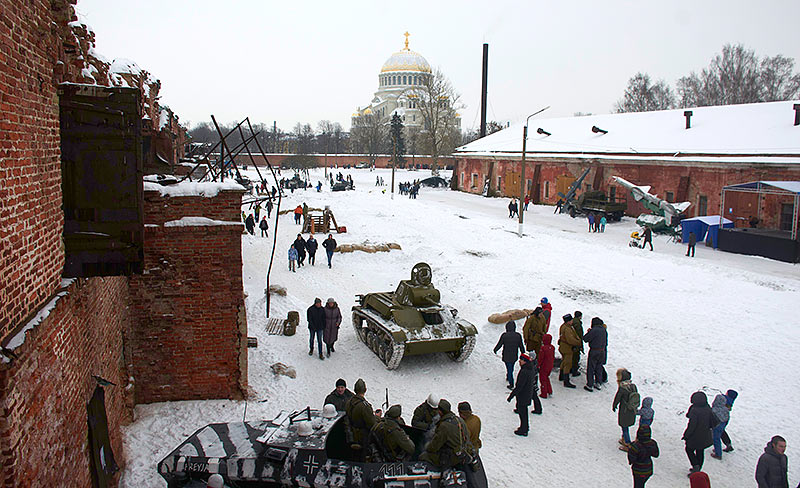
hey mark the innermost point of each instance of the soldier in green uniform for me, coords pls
(534, 330)
(577, 324)
(360, 419)
(425, 415)
(387, 441)
(450, 444)
(567, 340)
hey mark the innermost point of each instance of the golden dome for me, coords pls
(406, 60)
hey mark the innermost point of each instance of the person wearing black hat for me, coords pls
(597, 338)
(567, 340)
(339, 396)
(473, 423)
(577, 324)
(523, 392)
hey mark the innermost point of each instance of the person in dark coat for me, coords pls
(333, 319)
(511, 342)
(523, 392)
(597, 338)
(360, 420)
(627, 399)
(316, 325)
(698, 432)
(545, 360)
(250, 224)
(577, 324)
(269, 205)
(339, 396)
(648, 238)
(263, 225)
(330, 245)
(692, 242)
(311, 247)
(773, 464)
(300, 245)
(640, 456)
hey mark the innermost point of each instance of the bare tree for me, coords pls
(438, 103)
(369, 135)
(474, 134)
(732, 77)
(304, 138)
(777, 79)
(644, 96)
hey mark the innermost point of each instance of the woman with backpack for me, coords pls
(627, 399)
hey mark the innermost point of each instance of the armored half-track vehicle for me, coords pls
(411, 321)
(305, 448)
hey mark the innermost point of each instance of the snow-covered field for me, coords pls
(714, 322)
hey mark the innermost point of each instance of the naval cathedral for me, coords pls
(401, 75)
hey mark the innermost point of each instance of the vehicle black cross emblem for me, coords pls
(310, 464)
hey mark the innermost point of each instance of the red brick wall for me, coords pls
(705, 179)
(31, 219)
(345, 159)
(44, 393)
(190, 339)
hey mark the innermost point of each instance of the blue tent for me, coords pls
(705, 228)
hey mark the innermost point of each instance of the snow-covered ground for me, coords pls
(714, 322)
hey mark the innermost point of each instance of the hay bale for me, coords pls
(344, 248)
(381, 248)
(282, 369)
(513, 314)
(276, 290)
(394, 245)
(369, 249)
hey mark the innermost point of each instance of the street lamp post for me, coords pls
(522, 185)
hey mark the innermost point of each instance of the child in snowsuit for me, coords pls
(292, 258)
(720, 409)
(547, 354)
(646, 413)
(640, 456)
(730, 395)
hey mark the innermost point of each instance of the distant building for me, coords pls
(683, 155)
(401, 74)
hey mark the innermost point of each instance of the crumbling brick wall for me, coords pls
(190, 336)
(45, 390)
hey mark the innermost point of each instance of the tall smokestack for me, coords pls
(483, 88)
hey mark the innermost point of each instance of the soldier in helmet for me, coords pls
(387, 441)
(360, 419)
(426, 415)
(450, 444)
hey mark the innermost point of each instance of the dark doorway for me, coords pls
(102, 464)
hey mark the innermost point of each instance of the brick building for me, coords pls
(682, 155)
(71, 327)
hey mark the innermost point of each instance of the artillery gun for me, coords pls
(411, 321)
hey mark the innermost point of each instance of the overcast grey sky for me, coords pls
(313, 60)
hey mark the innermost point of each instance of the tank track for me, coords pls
(465, 351)
(379, 342)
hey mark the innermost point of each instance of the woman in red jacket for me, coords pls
(547, 355)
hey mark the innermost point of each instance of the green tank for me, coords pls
(411, 321)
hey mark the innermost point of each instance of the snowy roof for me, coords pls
(708, 220)
(207, 189)
(790, 186)
(758, 129)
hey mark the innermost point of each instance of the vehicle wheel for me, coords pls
(466, 349)
(358, 325)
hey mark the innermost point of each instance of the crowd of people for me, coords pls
(444, 438)
(533, 352)
(301, 248)
(411, 189)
